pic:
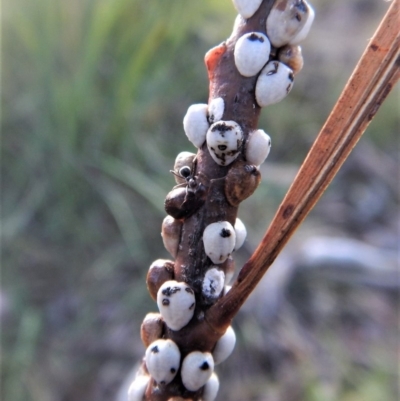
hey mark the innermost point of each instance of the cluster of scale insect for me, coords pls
(274, 57)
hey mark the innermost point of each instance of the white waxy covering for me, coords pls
(224, 346)
(211, 388)
(302, 34)
(224, 140)
(241, 233)
(137, 388)
(257, 147)
(239, 21)
(247, 8)
(171, 233)
(216, 110)
(176, 303)
(195, 124)
(162, 360)
(219, 241)
(184, 159)
(251, 53)
(285, 21)
(273, 84)
(213, 283)
(197, 368)
(230, 270)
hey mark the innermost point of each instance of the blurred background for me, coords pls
(93, 97)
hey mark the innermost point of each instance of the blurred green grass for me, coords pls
(93, 96)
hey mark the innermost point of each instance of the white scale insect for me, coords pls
(258, 146)
(195, 124)
(216, 110)
(273, 84)
(176, 303)
(162, 360)
(224, 346)
(224, 141)
(247, 8)
(197, 368)
(138, 387)
(251, 53)
(289, 22)
(219, 241)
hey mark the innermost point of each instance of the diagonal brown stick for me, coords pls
(372, 80)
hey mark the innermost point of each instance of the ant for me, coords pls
(189, 195)
(188, 175)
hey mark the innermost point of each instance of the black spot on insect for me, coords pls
(189, 290)
(170, 291)
(205, 366)
(221, 127)
(253, 37)
(165, 302)
(155, 350)
(212, 287)
(291, 76)
(172, 370)
(222, 147)
(225, 233)
(302, 7)
(275, 70)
